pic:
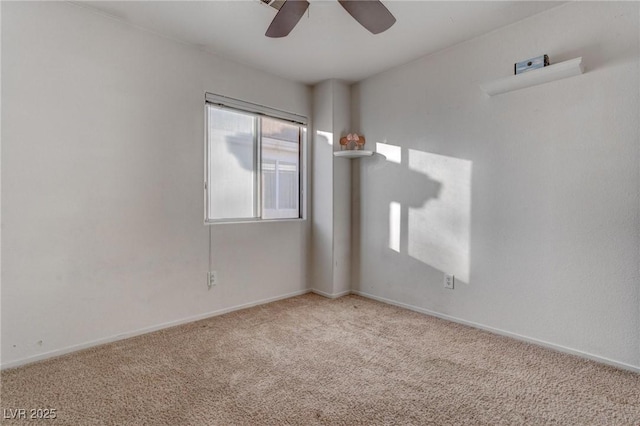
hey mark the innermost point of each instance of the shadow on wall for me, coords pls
(429, 203)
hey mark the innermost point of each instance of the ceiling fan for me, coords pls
(371, 14)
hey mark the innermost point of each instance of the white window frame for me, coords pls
(221, 101)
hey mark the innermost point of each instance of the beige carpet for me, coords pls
(311, 360)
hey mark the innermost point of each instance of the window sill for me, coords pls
(251, 221)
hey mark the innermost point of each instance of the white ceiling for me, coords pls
(328, 43)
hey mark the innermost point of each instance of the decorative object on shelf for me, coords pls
(344, 143)
(352, 142)
(531, 64)
(553, 72)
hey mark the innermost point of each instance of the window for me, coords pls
(253, 162)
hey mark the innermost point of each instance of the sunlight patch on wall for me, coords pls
(325, 137)
(393, 153)
(439, 231)
(394, 226)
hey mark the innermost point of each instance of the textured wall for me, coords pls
(102, 174)
(342, 257)
(322, 189)
(530, 198)
(331, 235)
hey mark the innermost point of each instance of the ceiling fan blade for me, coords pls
(371, 14)
(287, 18)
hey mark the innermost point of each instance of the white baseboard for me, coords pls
(74, 348)
(516, 336)
(330, 295)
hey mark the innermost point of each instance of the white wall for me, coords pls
(342, 258)
(531, 198)
(322, 189)
(331, 217)
(102, 174)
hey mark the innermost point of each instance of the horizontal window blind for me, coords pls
(224, 101)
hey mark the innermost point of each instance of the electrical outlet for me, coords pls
(212, 279)
(448, 281)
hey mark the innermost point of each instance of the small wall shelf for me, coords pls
(353, 153)
(553, 72)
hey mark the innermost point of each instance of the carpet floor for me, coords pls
(310, 360)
